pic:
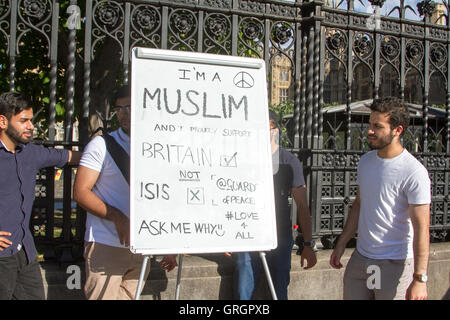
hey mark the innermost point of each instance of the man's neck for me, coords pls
(274, 147)
(7, 142)
(391, 151)
(125, 131)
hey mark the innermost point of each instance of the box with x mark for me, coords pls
(195, 196)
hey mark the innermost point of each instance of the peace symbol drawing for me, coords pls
(243, 80)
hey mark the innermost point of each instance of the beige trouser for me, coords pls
(112, 273)
(368, 279)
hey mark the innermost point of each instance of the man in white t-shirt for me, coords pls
(112, 271)
(391, 215)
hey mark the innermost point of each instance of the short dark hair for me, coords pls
(12, 103)
(273, 116)
(397, 109)
(122, 92)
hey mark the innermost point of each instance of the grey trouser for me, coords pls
(368, 279)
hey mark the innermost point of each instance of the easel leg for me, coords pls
(141, 278)
(269, 278)
(180, 264)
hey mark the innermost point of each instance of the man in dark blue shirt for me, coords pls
(20, 276)
(288, 180)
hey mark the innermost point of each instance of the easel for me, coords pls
(262, 255)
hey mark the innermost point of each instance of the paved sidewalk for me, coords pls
(209, 277)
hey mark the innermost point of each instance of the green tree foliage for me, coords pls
(32, 74)
(285, 111)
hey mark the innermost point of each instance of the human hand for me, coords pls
(168, 262)
(417, 291)
(309, 255)
(335, 258)
(122, 224)
(4, 242)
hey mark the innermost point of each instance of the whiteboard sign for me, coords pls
(201, 165)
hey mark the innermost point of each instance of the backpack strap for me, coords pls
(119, 155)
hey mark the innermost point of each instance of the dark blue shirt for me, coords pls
(17, 183)
(289, 175)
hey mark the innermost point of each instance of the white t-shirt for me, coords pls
(387, 187)
(111, 187)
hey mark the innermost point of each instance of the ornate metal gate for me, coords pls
(334, 54)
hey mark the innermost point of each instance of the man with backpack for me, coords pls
(102, 188)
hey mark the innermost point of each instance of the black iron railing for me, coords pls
(335, 56)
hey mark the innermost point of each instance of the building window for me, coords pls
(283, 96)
(284, 75)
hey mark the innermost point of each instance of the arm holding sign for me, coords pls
(83, 195)
(168, 262)
(102, 188)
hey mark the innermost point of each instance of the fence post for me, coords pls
(73, 24)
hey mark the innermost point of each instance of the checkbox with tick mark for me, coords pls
(228, 161)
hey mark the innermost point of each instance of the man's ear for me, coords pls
(274, 131)
(3, 122)
(275, 136)
(399, 130)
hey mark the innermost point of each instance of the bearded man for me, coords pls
(391, 215)
(20, 160)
